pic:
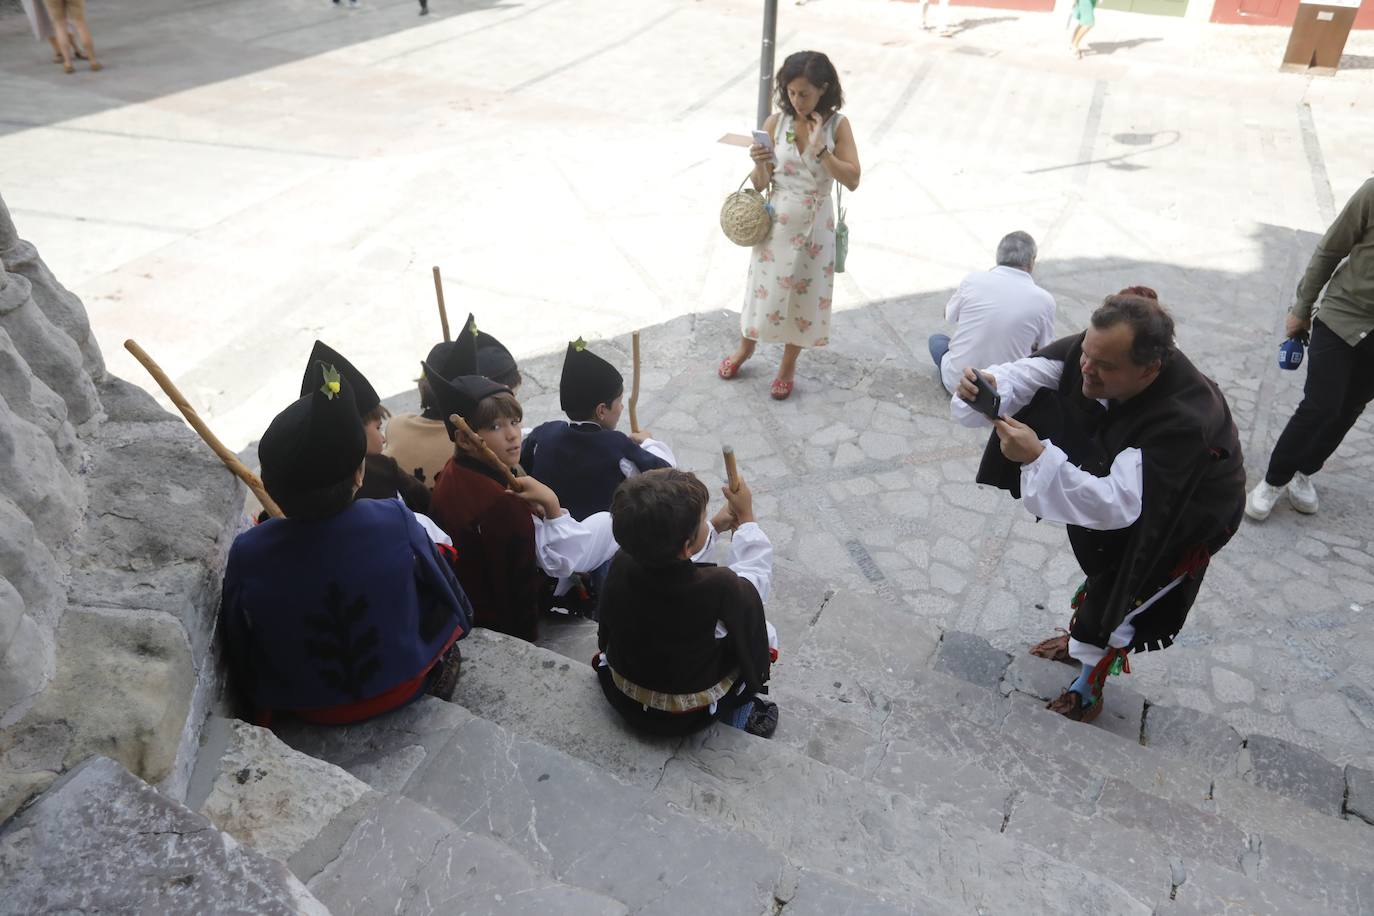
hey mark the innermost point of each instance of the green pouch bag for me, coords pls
(841, 232)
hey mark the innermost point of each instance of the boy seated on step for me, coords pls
(343, 609)
(420, 442)
(684, 643)
(585, 458)
(515, 546)
(384, 478)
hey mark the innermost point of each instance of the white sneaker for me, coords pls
(1302, 494)
(1261, 500)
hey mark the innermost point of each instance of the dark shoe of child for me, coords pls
(580, 601)
(444, 678)
(763, 719)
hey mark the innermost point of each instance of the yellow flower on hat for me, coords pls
(332, 384)
(579, 345)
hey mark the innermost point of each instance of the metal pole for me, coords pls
(770, 38)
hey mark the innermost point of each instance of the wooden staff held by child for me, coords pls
(634, 384)
(731, 472)
(484, 451)
(439, 294)
(231, 461)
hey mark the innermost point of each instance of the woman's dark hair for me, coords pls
(653, 514)
(311, 505)
(1152, 328)
(819, 72)
(377, 415)
(501, 405)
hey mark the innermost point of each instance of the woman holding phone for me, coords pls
(792, 272)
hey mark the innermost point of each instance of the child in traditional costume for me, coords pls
(585, 458)
(344, 609)
(420, 442)
(509, 560)
(684, 643)
(384, 478)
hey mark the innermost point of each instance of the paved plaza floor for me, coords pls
(247, 175)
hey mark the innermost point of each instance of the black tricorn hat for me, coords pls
(316, 442)
(588, 380)
(365, 397)
(453, 358)
(459, 395)
(493, 359)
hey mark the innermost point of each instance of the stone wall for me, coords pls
(114, 521)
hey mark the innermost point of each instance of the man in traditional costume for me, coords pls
(344, 609)
(1114, 433)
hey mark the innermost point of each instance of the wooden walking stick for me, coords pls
(484, 450)
(634, 384)
(731, 472)
(439, 294)
(231, 461)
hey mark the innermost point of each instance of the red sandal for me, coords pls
(729, 368)
(780, 389)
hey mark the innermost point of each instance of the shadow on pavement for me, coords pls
(157, 48)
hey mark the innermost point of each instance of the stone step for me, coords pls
(570, 819)
(815, 814)
(362, 851)
(100, 840)
(1050, 780)
(866, 718)
(870, 690)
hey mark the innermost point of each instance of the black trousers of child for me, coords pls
(1340, 382)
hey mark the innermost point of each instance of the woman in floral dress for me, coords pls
(792, 272)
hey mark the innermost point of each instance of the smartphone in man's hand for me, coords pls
(988, 402)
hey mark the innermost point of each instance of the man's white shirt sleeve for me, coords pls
(1054, 489)
(1017, 383)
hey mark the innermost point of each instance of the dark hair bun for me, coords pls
(1143, 292)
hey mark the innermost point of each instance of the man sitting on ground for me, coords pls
(1001, 315)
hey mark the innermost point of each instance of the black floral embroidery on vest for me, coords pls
(354, 653)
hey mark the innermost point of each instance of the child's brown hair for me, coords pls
(655, 513)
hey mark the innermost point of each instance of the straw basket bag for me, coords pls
(744, 217)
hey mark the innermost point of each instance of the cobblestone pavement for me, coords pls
(298, 173)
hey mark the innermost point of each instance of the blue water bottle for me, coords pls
(1291, 351)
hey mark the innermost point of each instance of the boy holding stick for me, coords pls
(684, 643)
(585, 457)
(420, 442)
(343, 609)
(512, 535)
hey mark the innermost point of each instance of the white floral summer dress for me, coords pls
(792, 272)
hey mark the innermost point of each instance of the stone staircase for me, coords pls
(935, 783)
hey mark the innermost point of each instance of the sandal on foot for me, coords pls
(68, 68)
(1071, 705)
(1056, 649)
(763, 719)
(96, 65)
(728, 368)
(780, 389)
